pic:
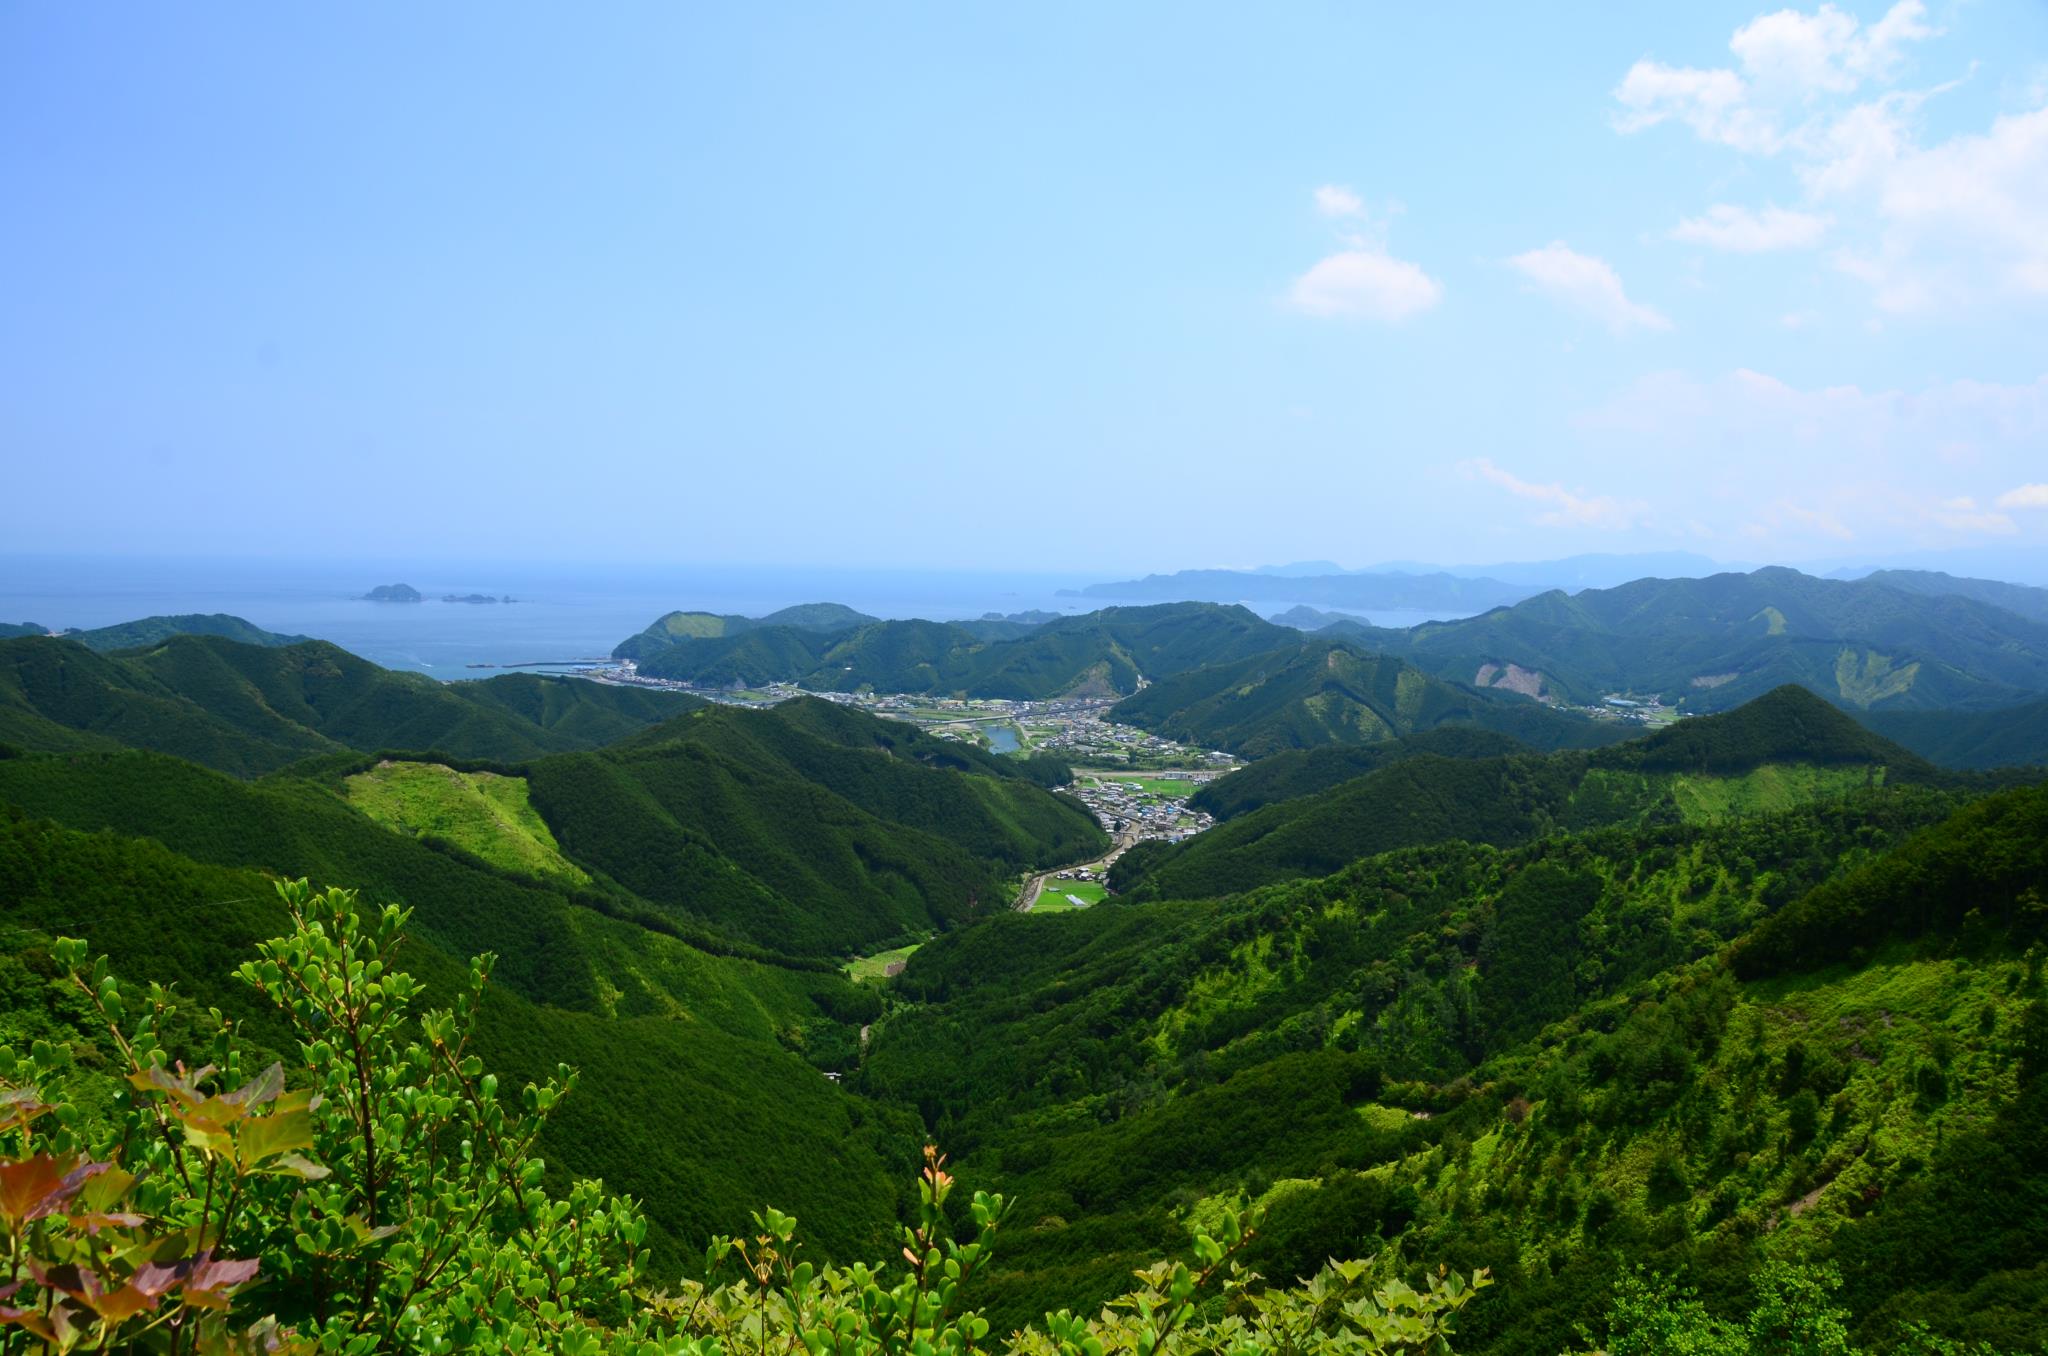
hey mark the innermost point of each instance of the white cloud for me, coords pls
(1799, 320)
(1793, 55)
(1959, 221)
(1568, 508)
(1334, 201)
(1715, 104)
(1741, 231)
(1363, 281)
(1966, 205)
(2033, 496)
(1588, 284)
(1787, 60)
(1363, 278)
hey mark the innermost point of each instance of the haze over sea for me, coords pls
(563, 612)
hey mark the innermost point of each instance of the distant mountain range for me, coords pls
(1325, 691)
(1105, 653)
(1715, 643)
(1403, 592)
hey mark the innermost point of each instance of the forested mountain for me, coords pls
(1784, 748)
(1101, 653)
(2026, 600)
(1326, 692)
(708, 1100)
(1715, 643)
(1539, 1060)
(251, 709)
(644, 904)
(806, 828)
(9, 630)
(1758, 990)
(2005, 737)
(1302, 772)
(155, 630)
(667, 630)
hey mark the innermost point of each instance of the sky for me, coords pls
(1076, 287)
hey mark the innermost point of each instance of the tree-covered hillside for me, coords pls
(2006, 737)
(1302, 772)
(711, 1099)
(1784, 748)
(1535, 1059)
(155, 630)
(1715, 643)
(673, 627)
(808, 828)
(1103, 653)
(2024, 599)
(250, 709)
(1323, 692)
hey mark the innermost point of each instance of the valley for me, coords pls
(1412, 969)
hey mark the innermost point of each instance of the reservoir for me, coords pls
(1002, 738)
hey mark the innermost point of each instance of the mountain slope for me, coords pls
(251, 709)
(2024, 599)
(674, 627)
(2011, 736)
(1532, 1059)
(156, 630)
(1105, 653)
(1302, 772)
(1714, 643)
(1326, 692)
(805, 827)
(1784, 748)
(692, 1096)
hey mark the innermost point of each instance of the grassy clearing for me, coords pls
(480, 812)
(877, 965)
(1059, 895)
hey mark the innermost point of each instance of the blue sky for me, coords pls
(1075, 286)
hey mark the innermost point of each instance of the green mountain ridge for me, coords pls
(1322, 692)
(250, 709)
(1105, 653)
(1535, 1059)
(149, 631)
(1714, 643)
(1784, 747)
(1301, 772)
(2007, 737)
(677, 627)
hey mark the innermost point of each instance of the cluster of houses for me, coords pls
(1124, 806)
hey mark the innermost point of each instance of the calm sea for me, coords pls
(563, 614)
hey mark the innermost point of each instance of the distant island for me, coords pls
(476, 598)
(393, 593)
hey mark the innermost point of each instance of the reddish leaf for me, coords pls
(123, 1304)
(27, 1183)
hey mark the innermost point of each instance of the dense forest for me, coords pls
(1623, 1043)
(1913, 641)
